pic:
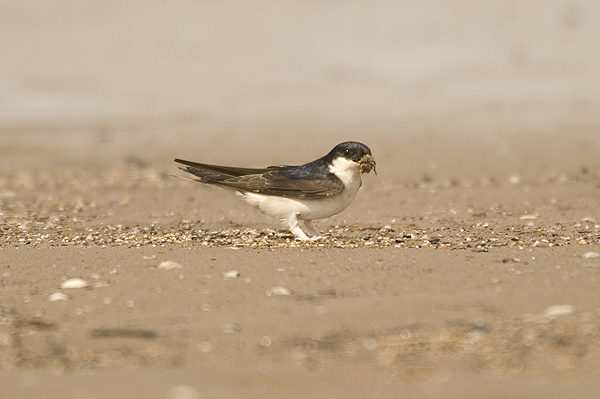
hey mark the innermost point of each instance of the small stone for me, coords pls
(169, 265)
(555, 311)
(231, 274)
(205, 347)
(529, 217)
(231, 328)
(278, 290)
(514, 179)
(74, 283)
(58, 296)
(183, 392)
(590, 255)
(370, 344)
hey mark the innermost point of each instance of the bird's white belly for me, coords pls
(283, 208)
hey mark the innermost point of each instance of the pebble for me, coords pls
(74, 283)
(205, 347)
(278, 290)
(169, 265)
(231, 274)
(589, 255)
(266, 341)
(529, 217)
(183, 392)
(231, 328)
(514, 179)
(555, 311)
(370, 344)
(58, 296)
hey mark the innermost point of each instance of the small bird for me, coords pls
(315, 190)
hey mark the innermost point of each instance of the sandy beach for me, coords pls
(425, 284)
(468, 267)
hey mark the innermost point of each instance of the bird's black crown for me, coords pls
(352, 150)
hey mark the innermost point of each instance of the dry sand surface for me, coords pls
(439, 284)
(468, 268)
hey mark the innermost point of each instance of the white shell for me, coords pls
(589, 255)
(278, 290)
(74, 283)
(58, 296)
(555, 311)
(529, 217)
(169, 265)
(232, 274)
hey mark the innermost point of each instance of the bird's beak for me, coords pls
(367, 164)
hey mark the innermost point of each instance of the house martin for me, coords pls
(315, 190)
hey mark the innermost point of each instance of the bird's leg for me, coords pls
(312, 229)
(295, 229)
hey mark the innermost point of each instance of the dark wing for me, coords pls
(275, 180)
(202, 169)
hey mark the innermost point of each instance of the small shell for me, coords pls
(74, 283)
(231, 274)
(231, 328)
(205, 347)
(58, 296)
(589, 255)
(514, 179)
(169, 265)
(278, 290)
(555, 311)
(529, 217)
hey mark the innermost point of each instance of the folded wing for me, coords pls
(274, 180)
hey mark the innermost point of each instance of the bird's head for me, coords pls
(357, 152)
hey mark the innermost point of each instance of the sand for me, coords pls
(468, 267)
(448, 284)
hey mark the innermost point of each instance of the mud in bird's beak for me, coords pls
(367, 164)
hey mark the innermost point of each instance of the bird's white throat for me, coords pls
(346, 170)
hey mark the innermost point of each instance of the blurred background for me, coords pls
(427, 84)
